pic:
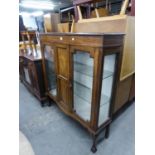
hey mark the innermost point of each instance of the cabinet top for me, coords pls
(84, 39)
(80, 34)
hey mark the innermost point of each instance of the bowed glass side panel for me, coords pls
(107, 86)
(82, 83)
(50, 70)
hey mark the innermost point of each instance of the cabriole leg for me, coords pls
(93, 148)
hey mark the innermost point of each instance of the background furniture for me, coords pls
(81, 74)
(51, 21)
(31, 75)
(30, 45)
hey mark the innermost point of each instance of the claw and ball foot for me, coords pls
(93, 149)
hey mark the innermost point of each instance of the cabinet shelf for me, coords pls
(85, 93)
(88, 70)
(83, 108)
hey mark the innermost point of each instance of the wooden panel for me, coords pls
(47, 23)
(63, 96)
(63, 27)
(123, 92)
(55, 39)
(101, 19)
(63, 76)
(102, 26)
(63, 61)
(55, 19)
(51, 21)
(101, 11)
(128, 63)
(113, 41)
(86, 41)
(74, 40)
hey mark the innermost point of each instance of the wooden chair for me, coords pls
(77, 3)
(30, 43)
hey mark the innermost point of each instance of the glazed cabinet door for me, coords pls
(49, 66)
(82, 60)
(63, 76)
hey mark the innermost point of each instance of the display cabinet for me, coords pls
(31, 75)
(81, 71)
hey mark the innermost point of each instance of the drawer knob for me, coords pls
(61, 38)
(73, 39)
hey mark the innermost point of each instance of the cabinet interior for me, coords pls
(50, 70)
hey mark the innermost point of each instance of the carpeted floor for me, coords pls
(51, 132)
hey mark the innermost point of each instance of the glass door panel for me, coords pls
(27, 76)
(107, 85)
(82, 84)
(50, 70)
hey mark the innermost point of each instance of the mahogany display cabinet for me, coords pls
(81, 71)
(31, 75)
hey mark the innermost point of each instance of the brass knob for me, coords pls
(61, 38)
(73, 39)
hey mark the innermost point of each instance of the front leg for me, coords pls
(42, 103)
(49, 102)
(93, 148)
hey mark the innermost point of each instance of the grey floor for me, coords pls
(51, 132)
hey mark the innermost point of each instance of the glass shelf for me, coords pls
(85, 93)
(87, 70)
(87, 80)
(82, 107)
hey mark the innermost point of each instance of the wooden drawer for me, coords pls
(74, 40)
(55, 39)
(86, 41)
